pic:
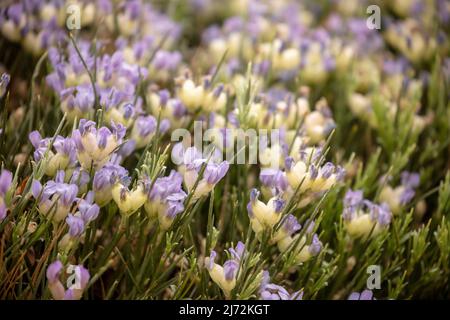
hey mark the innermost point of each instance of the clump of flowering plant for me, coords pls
(252, 149)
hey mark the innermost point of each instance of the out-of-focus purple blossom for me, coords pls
(353, 198)
(398, 66)
(306, 156)
(274, 179)
(4, 82)
(364, 295)
(5, 184)
(410, 181)
(271, 291)
(381, 213)
(143, 130)
(111, 98)
(165, 60)
(354, 201)
(211, 33)
(81, 100)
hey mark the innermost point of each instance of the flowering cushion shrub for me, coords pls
(235, 149)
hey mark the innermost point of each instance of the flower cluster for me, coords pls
(363, 217)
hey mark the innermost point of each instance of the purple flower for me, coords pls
(76, 225)
(230, 268)
(87, 209)
(55, 196)
(353, 198)
(289, 162)
(313, 172)
(305, 156)
(63, 146)
(104, 179)
(410, 181)
(212, 257)
(95, 146)
(173, 208)
(398, 66)
(327, 170)
(275, 292)
(407, 196)
(5, 182)
(290, 225)
(193, 161)
(53, 271)
(274, 179)
(80, 178)
(166, 186)
(165, 199)
(111, 98)
(84, 99)
(263, 67)
(270, 291)
(315, 246)
(215, 172)
(143, 130)
(278, 205)
(225, 277)
(237, 252)
(254, 195)
(3, 210)
(75, 291)
(354, 201)
(381, 213)
(364, 295)
(4, 82)
(165, 60)
(107, 176)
